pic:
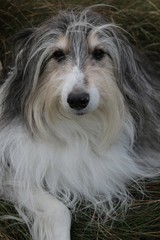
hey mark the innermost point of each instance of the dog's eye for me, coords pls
(98, 54)
(59, 55)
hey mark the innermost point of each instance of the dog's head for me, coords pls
(73, 66)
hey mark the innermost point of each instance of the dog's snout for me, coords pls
(78, 101)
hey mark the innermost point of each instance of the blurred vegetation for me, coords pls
(141, 18)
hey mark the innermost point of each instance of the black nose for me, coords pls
(78, 101)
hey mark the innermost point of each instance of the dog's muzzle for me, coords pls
(78, 101)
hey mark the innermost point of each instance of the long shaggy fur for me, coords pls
(53, 154)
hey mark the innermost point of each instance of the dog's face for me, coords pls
(78, 76)
(68, 67)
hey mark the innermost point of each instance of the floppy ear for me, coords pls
(21, 38)
(140, 85)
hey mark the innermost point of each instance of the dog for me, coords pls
(80, 120)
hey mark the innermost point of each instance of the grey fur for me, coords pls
(93, 175)
(136, 78)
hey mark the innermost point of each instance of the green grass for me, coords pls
(141, 19)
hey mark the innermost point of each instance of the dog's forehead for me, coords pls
(76, 27)
(62, 42)
(76, 35)
(81, 20)
(65, 42)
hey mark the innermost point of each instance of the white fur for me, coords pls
(73, 81)
(71, 163)
(64, 157)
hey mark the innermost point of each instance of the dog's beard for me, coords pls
(48, 105)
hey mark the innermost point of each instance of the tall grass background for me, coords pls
(141, 19)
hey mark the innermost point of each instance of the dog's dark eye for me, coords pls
(98, 54)
(59, 55)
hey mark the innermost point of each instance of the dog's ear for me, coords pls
(21, 38)
(139, 84)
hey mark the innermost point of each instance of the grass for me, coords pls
(142, 221)
(141, 18)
